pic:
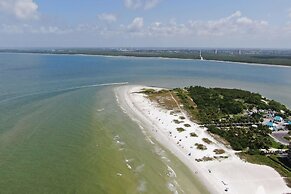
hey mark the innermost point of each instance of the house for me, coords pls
(278, 119)
(271, 125)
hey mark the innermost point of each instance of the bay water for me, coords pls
(62, 133)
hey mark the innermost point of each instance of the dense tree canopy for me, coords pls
(216, 103)
(222, 109)
(242, 138)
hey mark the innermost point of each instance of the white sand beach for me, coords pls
(225, 174)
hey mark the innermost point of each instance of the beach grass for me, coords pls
(277, 145)
(200, 146)
(177, 121)
(180, 129)
(219, 151)
(163, 97)
(206, 140)
(204, 159)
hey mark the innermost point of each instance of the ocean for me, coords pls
(63, 132)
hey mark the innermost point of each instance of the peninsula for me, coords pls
(215, 132)
(281, 57)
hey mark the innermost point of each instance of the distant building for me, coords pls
(278, 119)
(271, 125)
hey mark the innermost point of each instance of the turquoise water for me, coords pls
(53, 139)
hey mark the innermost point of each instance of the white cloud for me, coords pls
(149, 4)
(144, 4)
(235, 29)
(171, 29)
(25, 28)
(136, 25)
(234, 15)
(11, 29)
(132, 4)
(244, 20)
(234, 25)
(107, 17)
(21, 9)
(52, 30)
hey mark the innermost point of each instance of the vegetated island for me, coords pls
(259, 56)
(214, 131)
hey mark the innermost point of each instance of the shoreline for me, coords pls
(163, 58)
(228, 175)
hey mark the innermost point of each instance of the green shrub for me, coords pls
(200, 146)
(193, 134)
(180, 129)
(206, 140)
(219, 151)
(182, 117)
(177, 121)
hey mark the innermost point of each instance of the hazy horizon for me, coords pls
(141, 47)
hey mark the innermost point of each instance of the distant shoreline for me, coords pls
(154, 57)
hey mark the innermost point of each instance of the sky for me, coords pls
(145, 23)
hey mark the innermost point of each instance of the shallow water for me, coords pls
(57, 136)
